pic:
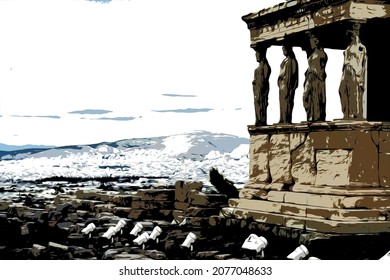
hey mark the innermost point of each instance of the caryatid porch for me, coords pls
(324, 176)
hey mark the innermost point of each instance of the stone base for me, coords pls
(322, 176)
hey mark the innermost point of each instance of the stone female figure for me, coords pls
(314, 93)
(352, 84)
(288, 83)
(261, 86)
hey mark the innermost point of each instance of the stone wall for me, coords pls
(327, 177)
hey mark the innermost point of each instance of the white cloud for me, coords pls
(58, 56)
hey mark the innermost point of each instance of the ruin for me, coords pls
(320, 176)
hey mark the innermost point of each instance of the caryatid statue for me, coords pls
(352, 84)
(261, 86)
(314, 92)
(287, 82)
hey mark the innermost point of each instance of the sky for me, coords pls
(84, 71)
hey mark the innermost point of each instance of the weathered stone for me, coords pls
(277, 196)
(121, 200)
(333, 167)
(333, 140)
(182, 190)
(260, 205)
(384, 169)
(292, 209)
(37, 250)
(122, 211)
(296, 139)
(89, 194)
(156, 194)
(53, 245)
(85, 204)
(63, 198)
(181, 205)
(4, 205)
(384, 142)
(303, 163)
(366, 202)
(200, 212)
(280, 159)
(252, 193)
(259, 161)
(365, 165)
(345, 190)
(152, 205)
(197, 198)
(104, 208)
(292, 222)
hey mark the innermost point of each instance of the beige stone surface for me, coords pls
(384, 141)
(303, 163)
(384, 169)
(183, 188)
(337, 226)
(296, 139)
(121, 200)
(333, 167)
(259, 158)
(197, 198)
(293, 222)
(337, 190)
(280, 158)
(148, 205)
(104, 208)
(365, 157)
(155, 194)
(293, 209)
(181, 205)
(333, 140)
(252, 193)
(277, 196)
(260, 205)
(368, 202)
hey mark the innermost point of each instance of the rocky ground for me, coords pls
(50, 220)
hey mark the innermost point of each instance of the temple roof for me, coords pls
(330, 18)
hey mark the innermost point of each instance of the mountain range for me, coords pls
(180, 156)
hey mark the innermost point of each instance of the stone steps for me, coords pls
(306, 223)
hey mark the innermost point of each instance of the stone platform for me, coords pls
(329, 177)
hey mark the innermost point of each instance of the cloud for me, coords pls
(91, 112)
(178, 95)
(188, 110)
(29, 116)
(116, 119)
(100, 1)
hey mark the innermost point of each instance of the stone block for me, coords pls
(292, 209)
(384, 142)
(303, 164)
(121, 200)
(327, 201)
(277, 196)
(197, 198)
(104, 208)
(333, 167)
(280, 158)
(369, 202)
(296, 139)
(258, 205)
(156, 194)
(85, 204)
(4, 205)
(200, 212)
(57, 246)
(295, 198)
(88, 194)
(293, 222)
(252, 193)
(365, 161)
(333, 140)
(327, 226)
(259, 161)
(259, 216)
(182, 189)
(318, 213)
(384, 169)
(181, 205)
(149, 205)
(37, 250)
(122, 211)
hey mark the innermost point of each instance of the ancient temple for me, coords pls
(320, 175)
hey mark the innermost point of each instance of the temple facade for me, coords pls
(317, 175)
